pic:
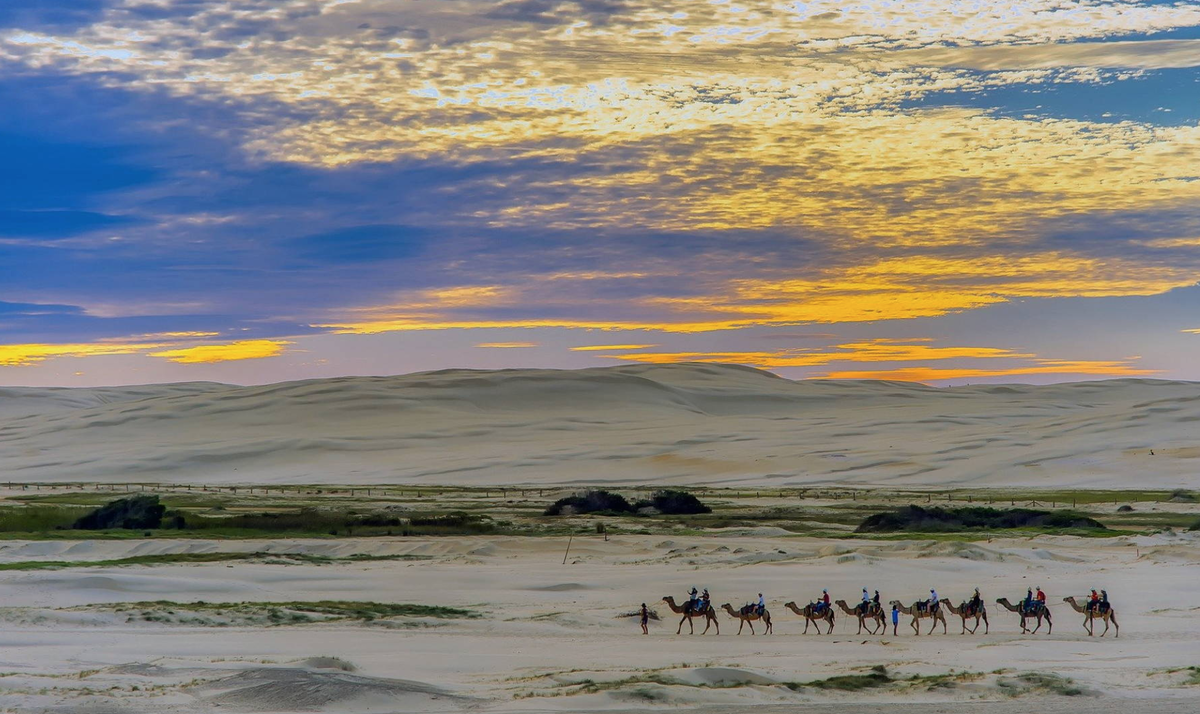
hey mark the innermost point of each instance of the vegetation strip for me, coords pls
(186, 558)
(330, 609)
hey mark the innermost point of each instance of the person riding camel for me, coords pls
(1028, 599)
(933, 600)
(762, 605)
(705, 601)
(1041, 598)
(875, 599)
(866, 602)
(693, 598)
(976, 600)
(1103, 601)
(1093, 601)
(822, 602)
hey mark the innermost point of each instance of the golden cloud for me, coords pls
(603, 348)
(1101, 368)
(31, 354)
(231, 352)
(507, 345)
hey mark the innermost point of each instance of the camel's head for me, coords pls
(840, 602)
(790, 603)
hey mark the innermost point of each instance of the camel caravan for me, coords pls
(873, 618)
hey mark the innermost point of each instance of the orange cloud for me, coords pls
(602, 348)
(1114, 368)
(870, 351)
(31, 354)
(507, 345)
(231, 352)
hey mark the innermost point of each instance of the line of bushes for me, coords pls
(668, 501)
(145, 513)
(942, 520)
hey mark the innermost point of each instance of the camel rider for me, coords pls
(866, 597)
(693, 598)
(1028, 599)
(762, 605)
(875, 600)
(976, 601)
(1041, 598)
(1094, 601)
(1103, 601)
(704, 601)
(933, 600)
(823, 601)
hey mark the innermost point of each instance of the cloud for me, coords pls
(604, 348)
(878, 350)
(1141, 54)
(507, 345)
(1092, 368)
(31, 354)
(230, 352)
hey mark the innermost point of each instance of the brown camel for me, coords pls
(747, 615)
(871, 610)
(1089, 616)
(917, 612)
(709, 615)
(1038, 611)
(810, 614)
(966, 610)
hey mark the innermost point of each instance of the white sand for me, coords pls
(683, 424)
(549, 626)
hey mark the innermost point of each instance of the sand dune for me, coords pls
(677, 424)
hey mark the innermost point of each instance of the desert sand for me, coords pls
(716, 425)
(541, 635)
(547, 629)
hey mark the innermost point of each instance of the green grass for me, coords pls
(1040, 682)
(877, 677)
(331, 609)
(190, 558)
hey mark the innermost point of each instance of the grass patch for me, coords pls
(1039, 682)
(877, 677)
(279, 613)
(192, 558)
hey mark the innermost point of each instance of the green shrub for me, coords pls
(674, 502)
(916, 518)
(590, 502)
(136, 512)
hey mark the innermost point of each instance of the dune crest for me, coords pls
(634, 424)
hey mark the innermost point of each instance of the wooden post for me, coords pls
(569, 538)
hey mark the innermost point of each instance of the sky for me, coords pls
(251, 191)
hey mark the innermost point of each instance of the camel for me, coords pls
(810, 614)
(965, 610)
(1089, 616)
(917, 613)
(1039, 611)
(747, 616)
(710, 616)
(872, 611)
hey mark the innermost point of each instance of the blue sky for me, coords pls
(946, 192)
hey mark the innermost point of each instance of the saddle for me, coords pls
(1033, 608)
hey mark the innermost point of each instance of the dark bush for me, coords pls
(674, 503)
(1180, 495)
(134, 512)
(915, 518)
(457, 519)
(590, 502)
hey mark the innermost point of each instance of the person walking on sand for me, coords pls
(895, 619)
(645, 620)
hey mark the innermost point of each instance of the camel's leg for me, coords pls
(916, 628)
(680, 630)
(1113, 617)
(986, 626)
(806, 621)
(1049, 622)
(830, 621)
(1087, 626)
(770, 627)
